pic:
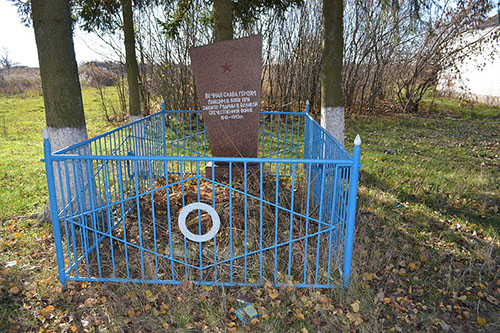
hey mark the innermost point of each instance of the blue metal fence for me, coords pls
(285, 217)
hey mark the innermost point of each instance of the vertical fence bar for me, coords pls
(291, 224)
(139, 226)
(169, 220)
(308, 200)
(276, 226)
(246, 218)
(70, 205)
(353, 194)
(122, 200)
(164, 127)
(261, 167)
(215, 237)
(153, 215)
(230, 218)
(200, 244)
(49, 171)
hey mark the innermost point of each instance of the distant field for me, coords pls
(426, 253)
(22, 175)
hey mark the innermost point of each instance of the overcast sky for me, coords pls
(20, 40)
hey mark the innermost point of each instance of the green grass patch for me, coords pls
(23, 188)
(449, 106)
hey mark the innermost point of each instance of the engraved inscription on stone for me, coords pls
(227, 76)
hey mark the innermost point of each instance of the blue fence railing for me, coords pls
(286, 216)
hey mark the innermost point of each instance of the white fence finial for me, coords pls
(45, 134)
(357, 140)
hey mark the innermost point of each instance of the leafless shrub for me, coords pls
(109, 80)
(394, 52)
(19, 80)
(98, 74)
(5, 59)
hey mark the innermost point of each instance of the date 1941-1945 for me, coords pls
(233, 116)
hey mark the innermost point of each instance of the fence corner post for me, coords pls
(351, 217)
(56, 228)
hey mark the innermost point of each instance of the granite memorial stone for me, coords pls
(227, 76)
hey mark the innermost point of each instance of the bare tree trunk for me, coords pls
(60, 83)
(332, 99)
(223, 20)
(134, 96)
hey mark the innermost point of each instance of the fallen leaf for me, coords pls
(481, 321)
(14, 290)
(89, 302)
(492, 299)
(355, 306)
(355, 318)
(300, 316)
(368, 276)
(273, 293)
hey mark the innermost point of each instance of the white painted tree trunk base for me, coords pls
(332, 119)
(134, 118)
(63, 137)
(73, 171)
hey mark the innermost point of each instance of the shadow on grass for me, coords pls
(438, 202)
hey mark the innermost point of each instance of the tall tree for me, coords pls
(332, 98)
(104, 15)
(134, 96)
(223, 20)
(60, 83)
(59, 72)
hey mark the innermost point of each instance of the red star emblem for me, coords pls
(226, 67)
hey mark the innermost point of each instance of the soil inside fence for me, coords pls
(268, 232)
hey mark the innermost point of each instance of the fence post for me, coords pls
(307, 132)
(54, 213)
(164, 124)
(353, 194)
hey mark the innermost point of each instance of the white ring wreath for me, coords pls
(201, 206)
